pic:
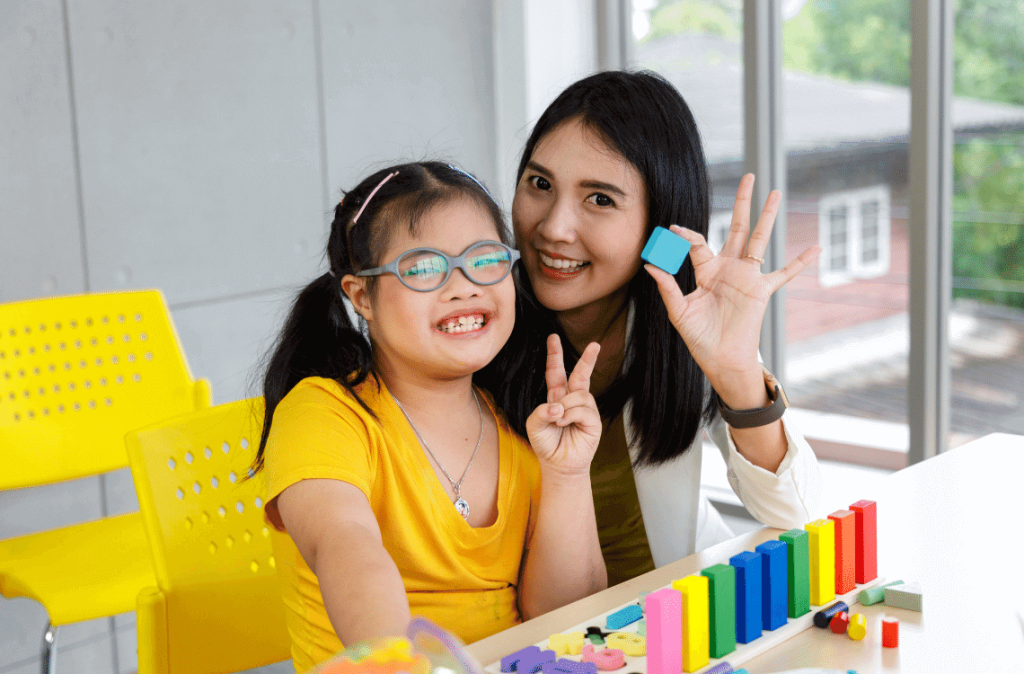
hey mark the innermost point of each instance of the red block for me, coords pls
(867, 540)
(846, 550)
(840, 622)
(890, 632)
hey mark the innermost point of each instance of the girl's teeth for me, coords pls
(561, 264)
(463, 324)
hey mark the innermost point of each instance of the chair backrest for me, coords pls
(77, 373)
(221, 608)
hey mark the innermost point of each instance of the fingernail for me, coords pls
(555, 410)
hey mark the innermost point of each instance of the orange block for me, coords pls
(846, 550)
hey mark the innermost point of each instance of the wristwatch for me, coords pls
(760, 416)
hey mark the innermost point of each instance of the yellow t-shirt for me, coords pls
(462, 578)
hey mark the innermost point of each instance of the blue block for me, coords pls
(749, 619)
(623, 617)
(774, 584)
(666, 250)
(563, 666)
(526, 661)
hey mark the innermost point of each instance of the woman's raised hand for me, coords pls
(564, 432)
(721, 320)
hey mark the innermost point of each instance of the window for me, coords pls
(853, 231)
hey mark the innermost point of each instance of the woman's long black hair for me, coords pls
(319, 338)
(643, 117)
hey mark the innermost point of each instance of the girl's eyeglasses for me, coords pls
(424, 269)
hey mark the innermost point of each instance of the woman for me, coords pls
(614, 156)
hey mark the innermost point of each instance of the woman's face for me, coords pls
(580, 216)
(445, 333)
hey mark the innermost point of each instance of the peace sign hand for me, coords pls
(565, 431)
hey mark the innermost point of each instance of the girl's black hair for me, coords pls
(319, 338)
(645, 119)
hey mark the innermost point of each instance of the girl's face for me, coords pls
(580, 215)
(445, 333)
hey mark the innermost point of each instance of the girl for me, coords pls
(614, 156)
(396, 487)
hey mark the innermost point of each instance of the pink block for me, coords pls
(665, 632)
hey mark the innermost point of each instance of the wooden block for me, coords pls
(774, 584)
(890, 633)
(799, 575)
(722, 608)
(566, 644)
(822, 549)
(846, 550)
(908, 596)
(664, 627)
(748, 595)
(858, 627)
(875, 594)
(866, 532)
(696, 647)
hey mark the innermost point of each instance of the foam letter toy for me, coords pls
(563, 666)
(633, 645)
(566, 644)
(623, 617)
(606, 660)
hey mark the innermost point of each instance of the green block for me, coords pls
(722, 608)
(797, 542)
(875, 594)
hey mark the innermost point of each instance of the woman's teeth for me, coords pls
(462, 324)
(568, 265)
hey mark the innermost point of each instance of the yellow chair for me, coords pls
(76, 374)
(217, 605)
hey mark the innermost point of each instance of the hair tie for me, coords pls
(473, 178)
(379, 185)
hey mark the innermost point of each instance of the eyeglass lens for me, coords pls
(484, 264)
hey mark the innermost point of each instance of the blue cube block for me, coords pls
(666, 250)
(774, 584)
(749, 619)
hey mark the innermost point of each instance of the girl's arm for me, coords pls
(563, 559)
(337, 534)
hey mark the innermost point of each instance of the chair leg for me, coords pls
(50, 649)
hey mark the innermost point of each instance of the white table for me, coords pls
(953, 523)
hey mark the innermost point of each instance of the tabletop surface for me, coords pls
(952, 523)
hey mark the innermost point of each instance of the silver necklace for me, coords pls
(460, 503)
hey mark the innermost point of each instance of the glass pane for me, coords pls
(697, 46)
(846, 68)
(987, 307)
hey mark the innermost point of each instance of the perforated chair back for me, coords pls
(217, 606)
(78, 372)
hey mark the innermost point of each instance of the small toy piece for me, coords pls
(823, 617)
(664, 631)
(606, 660)
(858, 627)
(595, 635)
(622, 617)
(723, 668)
(564, 666)
(666, 250)
(641, 627)
(823, 561)
(632, 645)
(890, 633)
(799, 572)
(876, 594)
(866, 531)
(908, 596)
(840, 622)
(696, 642)
(566, 644)
(748, 595)
(526, 661)
(643, 601)
(774, 584)
(722, 608)
(846, 550)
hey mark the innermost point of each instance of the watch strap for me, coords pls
(761, 416)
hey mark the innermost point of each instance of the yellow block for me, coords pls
(566, 644)
(696, 617)
(822, 548)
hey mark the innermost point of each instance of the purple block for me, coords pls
(748, 595)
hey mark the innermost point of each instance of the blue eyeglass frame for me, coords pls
(454, 263)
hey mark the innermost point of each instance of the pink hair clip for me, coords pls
(379, 185)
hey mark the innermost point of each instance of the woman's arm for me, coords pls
(563, 561)
(337, 534)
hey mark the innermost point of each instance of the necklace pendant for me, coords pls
(462, 507)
